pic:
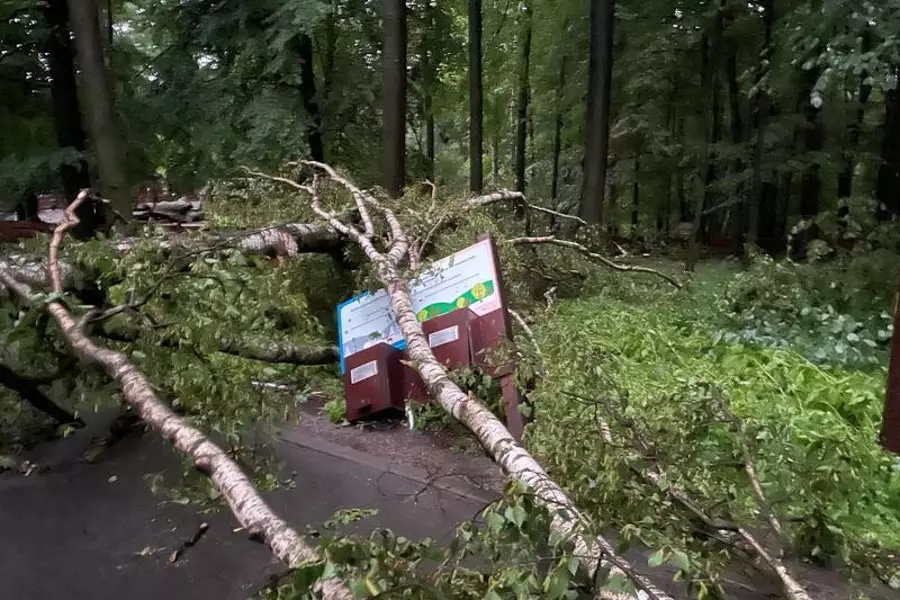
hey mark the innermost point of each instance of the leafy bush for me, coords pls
(813, 431)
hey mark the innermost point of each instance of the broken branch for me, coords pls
(593, 256)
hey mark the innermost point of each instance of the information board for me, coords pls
(467, 278)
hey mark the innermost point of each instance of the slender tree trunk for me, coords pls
(311, 107)
(522, 104)
(710, 81)
(495, 159)
(110, 30)
(395, 96)
(598, 110)
(736, 123)
(635, 196)
(66, 113)
(813, 135)
(428, 67)
(328, 55)
(557, 131)
(101, 113)
(763, 107)
(887, 189)
(854, 130)
(476, 99)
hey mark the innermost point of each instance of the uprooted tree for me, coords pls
(143, 313)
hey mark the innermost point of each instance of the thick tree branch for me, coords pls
(593, 256)
(29, 391)
(244, 347)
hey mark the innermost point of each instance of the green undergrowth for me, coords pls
(667, 368)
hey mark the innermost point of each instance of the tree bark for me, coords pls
(596, 149)
(736, 125)
(887, 189)
(557, 130)
(428, 80)
(394, 96)
(476, 99)
(710, 82)
(66, 111)
(635, 197)
(311, 107)
(522, 101)
(101, 112)
(763, 103)
(854, 130)
(241, 346)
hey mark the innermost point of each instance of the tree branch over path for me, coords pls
(244, 347)
(595, 553)
(246, 504)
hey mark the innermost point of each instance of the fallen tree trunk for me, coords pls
(595, 553)
(246, 504)
(284, 240)
(261, 350)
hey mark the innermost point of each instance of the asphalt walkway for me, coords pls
(97, 532)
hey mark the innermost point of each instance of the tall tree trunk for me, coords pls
(311, 107)
(710, 82)
(736, 123)
(328, 56)
(763, 107)
(66, 113)
(887, 190)
(476, 99)
(428, 68)
(635, 196)
(854, 130)
(524, 94)
(495, 159)
(811, 178)
(684, 209)
(596, 149)
(102, 121)
(394, 96)
(557, 131)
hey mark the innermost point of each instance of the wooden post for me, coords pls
(890, 425)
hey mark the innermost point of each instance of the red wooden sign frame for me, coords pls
(376, 380)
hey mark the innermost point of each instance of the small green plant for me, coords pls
(336, 410)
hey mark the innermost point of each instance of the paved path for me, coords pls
(72, 533)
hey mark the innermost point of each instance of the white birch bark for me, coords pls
(245, 503)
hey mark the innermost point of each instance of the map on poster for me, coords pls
(465, 279)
